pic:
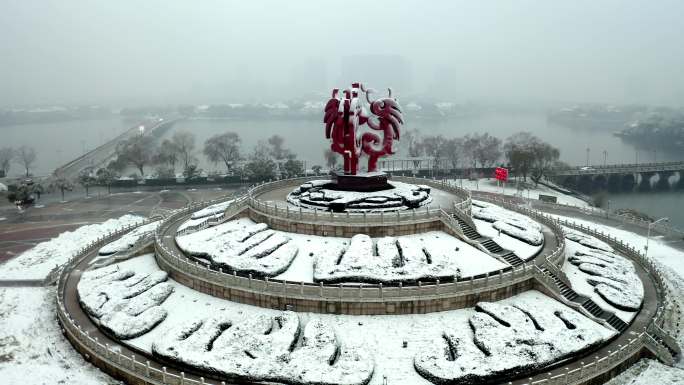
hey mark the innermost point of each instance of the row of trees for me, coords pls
(267, 160)
(25, 156)
(525, 154)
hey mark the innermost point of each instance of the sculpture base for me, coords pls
(363, 182)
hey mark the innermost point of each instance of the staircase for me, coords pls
(586, 303)
(492, 247)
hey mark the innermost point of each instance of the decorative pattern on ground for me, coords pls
(266, 348)
(509, 222)
(508, 340)
(388, 260)
(124, 303)
(613, 277)
(318, 194)
(242, 246)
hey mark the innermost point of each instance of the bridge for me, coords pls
(622, 177)
(101, 154)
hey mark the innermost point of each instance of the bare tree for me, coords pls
(167, 155)
(520, 152)
(486, 149)
(137, 151)
(105, 177)
(62, 184)
(413, 145)
(223, 147)
(434, 147)
(276, 147)
(6, 156)
(26, 156)
(453, 151)
(86, 178)
(184, 143)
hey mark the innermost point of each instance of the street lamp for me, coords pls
(648, 234)
(605, 157)
(588, 149)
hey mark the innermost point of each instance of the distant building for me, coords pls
(377, 71)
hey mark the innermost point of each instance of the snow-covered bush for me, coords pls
(389, 260)
(509, 222)
(126, 304)
(265, 348)
(128, 240)
(242, 246)
(317, 194)
(508, 340)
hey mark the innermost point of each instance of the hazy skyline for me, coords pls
(158, 52)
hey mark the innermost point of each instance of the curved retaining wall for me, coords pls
(135, 371)
(349, 299)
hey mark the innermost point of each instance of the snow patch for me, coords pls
(521, 335)
(128, 240)
(37, 262)
(509, 222)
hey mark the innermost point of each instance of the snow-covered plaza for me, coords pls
(247, 289)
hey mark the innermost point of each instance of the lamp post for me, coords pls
(648, 234)
(588, 150)
(605, 158)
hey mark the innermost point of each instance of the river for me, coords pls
(57, 143)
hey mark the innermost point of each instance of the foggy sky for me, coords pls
(155, 52)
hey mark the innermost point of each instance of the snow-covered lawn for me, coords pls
(124, 302)
(523, 333)
(491, 185)
(432, 255)
(509, 222)
(607, 278)
(37, 262)
(671, 259)
(313, 194)
(128, 240)
(196, 222)
(376, 339)
(243, 245)
(33, 350)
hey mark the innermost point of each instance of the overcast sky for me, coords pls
(129, 52)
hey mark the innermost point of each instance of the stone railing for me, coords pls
(53, 275)
(598, 366)
(365, 292)
(659, 228)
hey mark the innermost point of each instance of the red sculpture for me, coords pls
(344, 116)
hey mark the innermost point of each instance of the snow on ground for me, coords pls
(579, 283)
(125, 303)
(380, 337)
(211, 210)
(491, 185)
(671, 259)
(37, 262)
(509, 222)
(129, 239)
(646, 371)
(524, 333)
(586, 240)
(428, 256)
(33, 350)
(522, 249)
(242, 246)
(614, 278)
(313, 194)
(318, 258)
